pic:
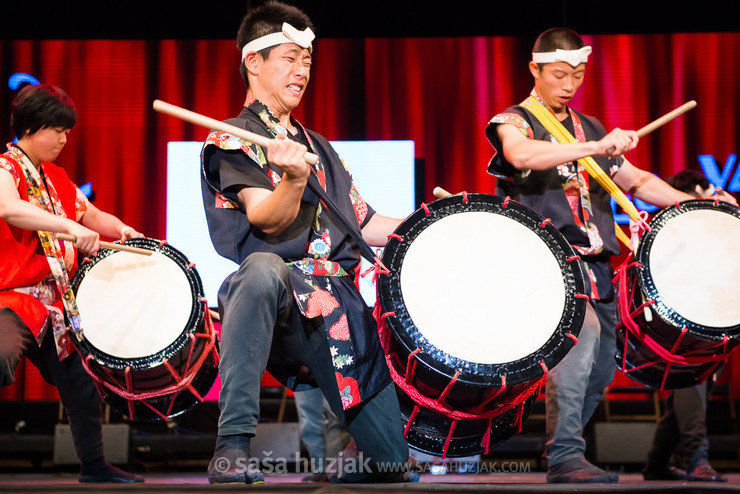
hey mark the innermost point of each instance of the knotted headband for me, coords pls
(571, 57)
(289, 34)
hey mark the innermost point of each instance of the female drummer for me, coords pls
(36, 198)
(544, 175)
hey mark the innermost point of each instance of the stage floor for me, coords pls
(279, 483)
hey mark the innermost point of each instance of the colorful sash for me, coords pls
(46, 197)
(561, 134)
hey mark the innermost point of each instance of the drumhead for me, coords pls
(134, 306)
(693, 265)
(483, 287)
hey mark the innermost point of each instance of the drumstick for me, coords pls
(109, 245)
(659, 122)
(212, 123)
(440, 193)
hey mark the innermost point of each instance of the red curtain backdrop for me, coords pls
(438, 92)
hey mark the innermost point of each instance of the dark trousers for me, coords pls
(76, 389)
(682, 429)
(261, 323)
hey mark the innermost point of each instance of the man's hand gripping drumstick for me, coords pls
(659, 122)
(212, 123)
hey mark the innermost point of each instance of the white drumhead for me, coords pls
(132, 305)
(695, 265)
(483, 287)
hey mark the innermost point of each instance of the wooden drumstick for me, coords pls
(440, 193)
(212, 123)
(310, 158)
(109, 245)
(659, 122)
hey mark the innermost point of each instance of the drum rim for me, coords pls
(195, 319)
(650, 375)
(518, 371)
(645, 278)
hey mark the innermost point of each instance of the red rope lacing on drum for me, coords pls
(378, 267)
(182, 381)
(632, 330)
(439, 405)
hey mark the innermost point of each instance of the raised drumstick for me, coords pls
(659, 122)
(212, 123)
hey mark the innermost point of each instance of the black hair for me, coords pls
(555, 38)
(265, 19)
(38, 106)
(687, 180)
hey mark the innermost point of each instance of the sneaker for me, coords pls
(705, 473)
(578, 471)
(232, 463)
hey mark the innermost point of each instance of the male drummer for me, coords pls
(683, 426)
(36, 198)
(541, 173)
(292, 307)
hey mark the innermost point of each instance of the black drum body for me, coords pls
(483, 296)
(148, 340)
(677, 297)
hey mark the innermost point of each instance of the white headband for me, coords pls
(289, 34)
(571, 57)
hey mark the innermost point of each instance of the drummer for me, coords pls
(292, 307)
(682, 428)
(35, 194)
(543, 174)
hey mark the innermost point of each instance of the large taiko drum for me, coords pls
(677, 297)
(147, 341)
(482, 297)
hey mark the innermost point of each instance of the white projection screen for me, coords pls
(383, 173)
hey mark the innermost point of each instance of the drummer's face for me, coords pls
(557, 83)
(44, 144)
(282, 78)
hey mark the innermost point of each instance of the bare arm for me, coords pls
(376, 230)
(273, 211)
(106, 224)
(531, 154)
(647, 187)
(22, 214)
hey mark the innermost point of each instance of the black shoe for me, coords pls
(667, 473)
(232, 463)
(316, 477)
(378, 478)
(578, 471)
(107, 473)
(351, 455)
(705, 473)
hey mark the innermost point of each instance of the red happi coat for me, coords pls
(23, 264)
